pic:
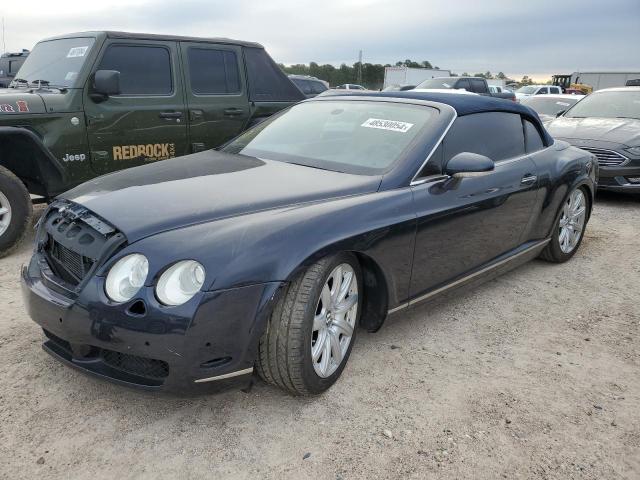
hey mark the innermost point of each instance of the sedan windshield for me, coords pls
(57, 62)
(608, 105)
(360, 137)
(544, 105)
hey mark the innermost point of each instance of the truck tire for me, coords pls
(304, 319)
(16, 211)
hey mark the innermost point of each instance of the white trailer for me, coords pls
(411, 76)
(600, 80)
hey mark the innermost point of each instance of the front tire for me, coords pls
(569, 229)
(312, 329)
(16, 211)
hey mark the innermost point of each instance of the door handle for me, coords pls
(528, 179)
(232, 112)
(170, 115)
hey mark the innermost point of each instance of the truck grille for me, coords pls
(69, 265)
(607, 158)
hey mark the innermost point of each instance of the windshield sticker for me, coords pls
(564, 104)
(446, 85)
(71, 75)
(77, 52)
(392, 125)
(22, 106)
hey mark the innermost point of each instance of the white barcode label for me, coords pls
(393, 125)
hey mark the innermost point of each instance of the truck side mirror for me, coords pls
(105, 84)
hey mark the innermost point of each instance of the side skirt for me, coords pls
(497, 267)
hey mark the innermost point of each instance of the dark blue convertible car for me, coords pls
(268, 254)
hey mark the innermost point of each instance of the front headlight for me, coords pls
(634, 150)
(126, 277)
(180, 282)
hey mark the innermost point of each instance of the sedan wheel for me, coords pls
(312, 329)
(569, 229)
(335, 320)
(572, 221)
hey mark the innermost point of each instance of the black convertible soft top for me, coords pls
(467, 104)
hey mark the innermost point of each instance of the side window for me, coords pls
(478, 86)
(496, 135)
(464, 83)
(532, 139)
(542, 91)
(213, 72)
(144, 70)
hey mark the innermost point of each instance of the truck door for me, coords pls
(217, 101)
(146, 122)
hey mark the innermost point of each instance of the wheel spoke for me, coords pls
(326, 355)
(325, 297)
(318, 347)
(337, 283)
(345, 305)
(342, 326)
(336, 351)
(345, 286)
(319, 320)
(3, 210)
(579, 212)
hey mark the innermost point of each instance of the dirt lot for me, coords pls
(533, 375)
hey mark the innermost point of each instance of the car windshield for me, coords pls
(608, 105)
(549, 106)
(527, 90)
(359, 137)
(437, 83)
(56, 61)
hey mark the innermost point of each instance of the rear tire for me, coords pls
(16, 211)
(285, 353)
(559, 249)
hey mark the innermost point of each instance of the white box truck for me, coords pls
(411, 76)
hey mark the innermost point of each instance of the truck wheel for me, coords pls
(16, 211)
(312, 328)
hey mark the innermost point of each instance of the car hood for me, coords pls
(207, 186)
(624, 131)
(17, 101)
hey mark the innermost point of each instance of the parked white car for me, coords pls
(499, 89)
(531, 90)
(549, 106)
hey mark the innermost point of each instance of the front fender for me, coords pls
(274, 245)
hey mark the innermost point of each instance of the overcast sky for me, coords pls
(534, 37)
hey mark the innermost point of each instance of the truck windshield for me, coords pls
(526, 90)
(359, 137)
(57, 62)
(437, 83)
(620, 104)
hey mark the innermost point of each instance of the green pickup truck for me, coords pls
(87, 104)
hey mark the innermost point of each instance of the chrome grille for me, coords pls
(607, 158)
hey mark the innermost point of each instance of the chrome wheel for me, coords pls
(572, 221)
(5, 213)
(334, 321)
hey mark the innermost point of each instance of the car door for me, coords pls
(217, 99)
(146, 121)
(465, 223)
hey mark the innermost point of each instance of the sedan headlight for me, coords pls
(634, 150)
(180, 282)
(126, 277)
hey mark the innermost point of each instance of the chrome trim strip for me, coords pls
(398, 308)
(226, 375)
(541, 243)
(435, 147)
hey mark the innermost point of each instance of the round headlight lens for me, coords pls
(180, 282)
(126, 277)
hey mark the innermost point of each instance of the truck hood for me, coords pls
(207, 186)
(17, 101)
(625, 131)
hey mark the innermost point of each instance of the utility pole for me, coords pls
(360, 67)
(4, 44)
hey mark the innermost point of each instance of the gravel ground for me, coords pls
(533, 375)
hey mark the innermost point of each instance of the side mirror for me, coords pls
(560, 113)
(106, 83)
(467, 164)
